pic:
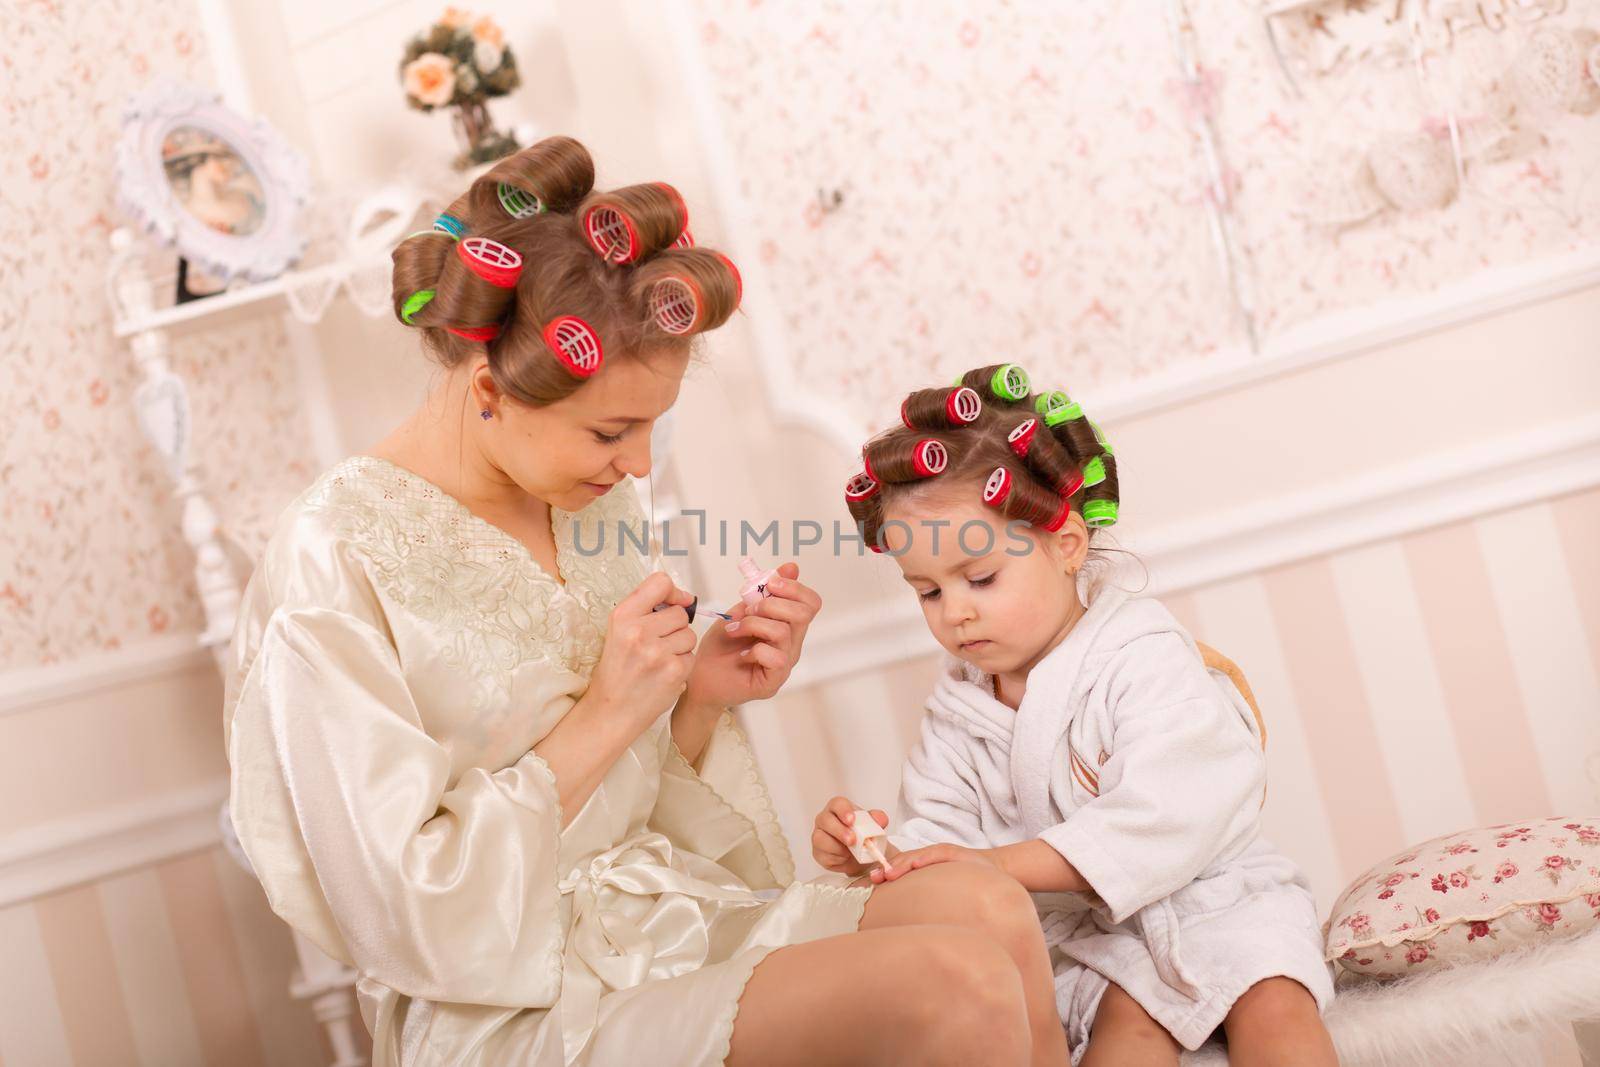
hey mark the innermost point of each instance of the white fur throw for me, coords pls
(1473, 1013)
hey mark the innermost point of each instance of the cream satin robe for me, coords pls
(395, 662)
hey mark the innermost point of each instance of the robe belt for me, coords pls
(608, 950)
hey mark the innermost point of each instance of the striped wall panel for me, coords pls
(176, 965)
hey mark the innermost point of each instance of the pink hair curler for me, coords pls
(860, 487)
(997, 488)
(575, 344)
(755, 582)
(929, 458)
(1022, 437)
(490, 260)
(675, 304)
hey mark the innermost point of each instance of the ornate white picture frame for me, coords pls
(225, 190)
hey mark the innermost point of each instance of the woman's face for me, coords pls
(573, 451)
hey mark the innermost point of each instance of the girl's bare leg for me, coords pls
(1276, 1023)
(1124, 1035)
(907, 994)
(981, 898)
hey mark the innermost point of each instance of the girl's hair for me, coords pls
(1031, 456)
(602, 275)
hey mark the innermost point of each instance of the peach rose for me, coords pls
(454, 17)
(487, 31)
(430, 79)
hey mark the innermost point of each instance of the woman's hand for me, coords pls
(751, 657)
(833, 836)
(647, 657)
(906, 862)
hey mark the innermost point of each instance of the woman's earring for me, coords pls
(485, 414)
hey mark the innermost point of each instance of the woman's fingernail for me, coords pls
(744, 652)
(777, 585)
(733, 627)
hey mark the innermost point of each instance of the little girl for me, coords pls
(1087, 752)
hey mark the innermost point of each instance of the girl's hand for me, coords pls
(751, 657)
(833, 836)
(904, 863)
(647, 657)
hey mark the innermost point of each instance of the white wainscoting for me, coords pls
(87, 848)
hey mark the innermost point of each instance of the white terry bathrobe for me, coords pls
(1145, 771)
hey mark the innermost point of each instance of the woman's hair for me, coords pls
(553, 278)
(1031, 456)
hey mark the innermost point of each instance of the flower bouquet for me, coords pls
(461, 61)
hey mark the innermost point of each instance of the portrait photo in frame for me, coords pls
(225, 191)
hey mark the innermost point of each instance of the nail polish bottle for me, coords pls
(755, 582)
(870, 839)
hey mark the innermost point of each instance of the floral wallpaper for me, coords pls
(91, 552)
(936, 185)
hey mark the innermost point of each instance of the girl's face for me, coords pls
(573, 451)
(997, 598)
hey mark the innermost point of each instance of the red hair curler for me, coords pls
(685, 239)
(929, 457)
(962, 406)
(860, 487)
(683, 208)
(1071, 486)
(866, 465)
(481, 334)
(675, 304)
(490, 260)
(612, 234)
(575, 344)
(1020, 438)
(1060, 518)
(997, 488)
(738, 279)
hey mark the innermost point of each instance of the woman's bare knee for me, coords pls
(923, 994)
(960, 894)
(974, 1003)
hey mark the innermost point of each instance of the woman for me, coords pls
(471, 759)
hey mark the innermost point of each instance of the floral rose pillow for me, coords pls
(1469, 896)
